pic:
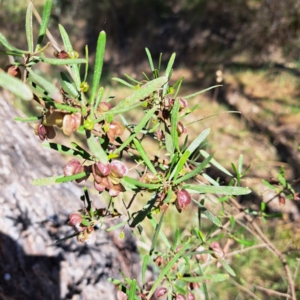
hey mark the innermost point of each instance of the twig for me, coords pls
(244, 289)
(272, 292)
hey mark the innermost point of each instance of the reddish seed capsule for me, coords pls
(180, 297)
(218, 251)
(74, 219)
(297, 196)
(13, 71)
(160, 292)
(191, 296)
(183, 200)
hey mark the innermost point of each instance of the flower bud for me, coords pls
(218, 251)
(183, 200)
(13, 71)
(160, 292)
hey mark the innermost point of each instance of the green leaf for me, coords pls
(45, 20)
(15, 86)
(150, 59)
(68, 86)
(138, 184)
(144, 156)
(215, 163)
(11, 48)
(206, 279)
(132, 291)
(194, 172)
(71, 178)
(208, 214)
(46, 85)
(66, 150)
(96, 148)
(112, 228)
(30, 119)
(226, 266)
(174, 123)
(244, 242)
(28, 25)
(99, 97)
(64, 107)
(139, 94)
(123, 82)
(200, 138)
(169, 72)
(63, 62)
(179, 165)
(137, 129)
(200, 92)
(132, 79)
(69, 48)
(269, 185)
(156, 233)
(98, 65)
(167, 269)
(144, 268)
(223, 190)
(46, 181)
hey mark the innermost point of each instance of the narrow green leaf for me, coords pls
(223, 190)
(226, 266)
(144, 268)
(206, 279)
(179, 165)
(132, 79)
(68, 85)
(144, 156)
(28, 25)
(200, 138)
(87, 62)
(240, 165)
(15, 86)
(168, 267)
(8, 46)
(169, 144)
(46, 181)
(71, 178)
(150, 59)
(45, 20)
(132, 291)
(269, 185)
(123, 82)
(244, 242)
(137, 129)
(96, 148)
(208, 214)
(194, 172)
(136, 183)
(64, 107)
(63, 62)
(66, 150)
(46, 85)
(200, 92)
(98, 64)
(141, 93)
(112, 228)
(30, 119)
(157, 231)
(174, 123)
(215, 163)
(168, 72)
(99, 97)
(69, 48)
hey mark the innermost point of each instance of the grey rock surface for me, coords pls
(33, 218)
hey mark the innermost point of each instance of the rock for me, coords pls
(32, 218)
